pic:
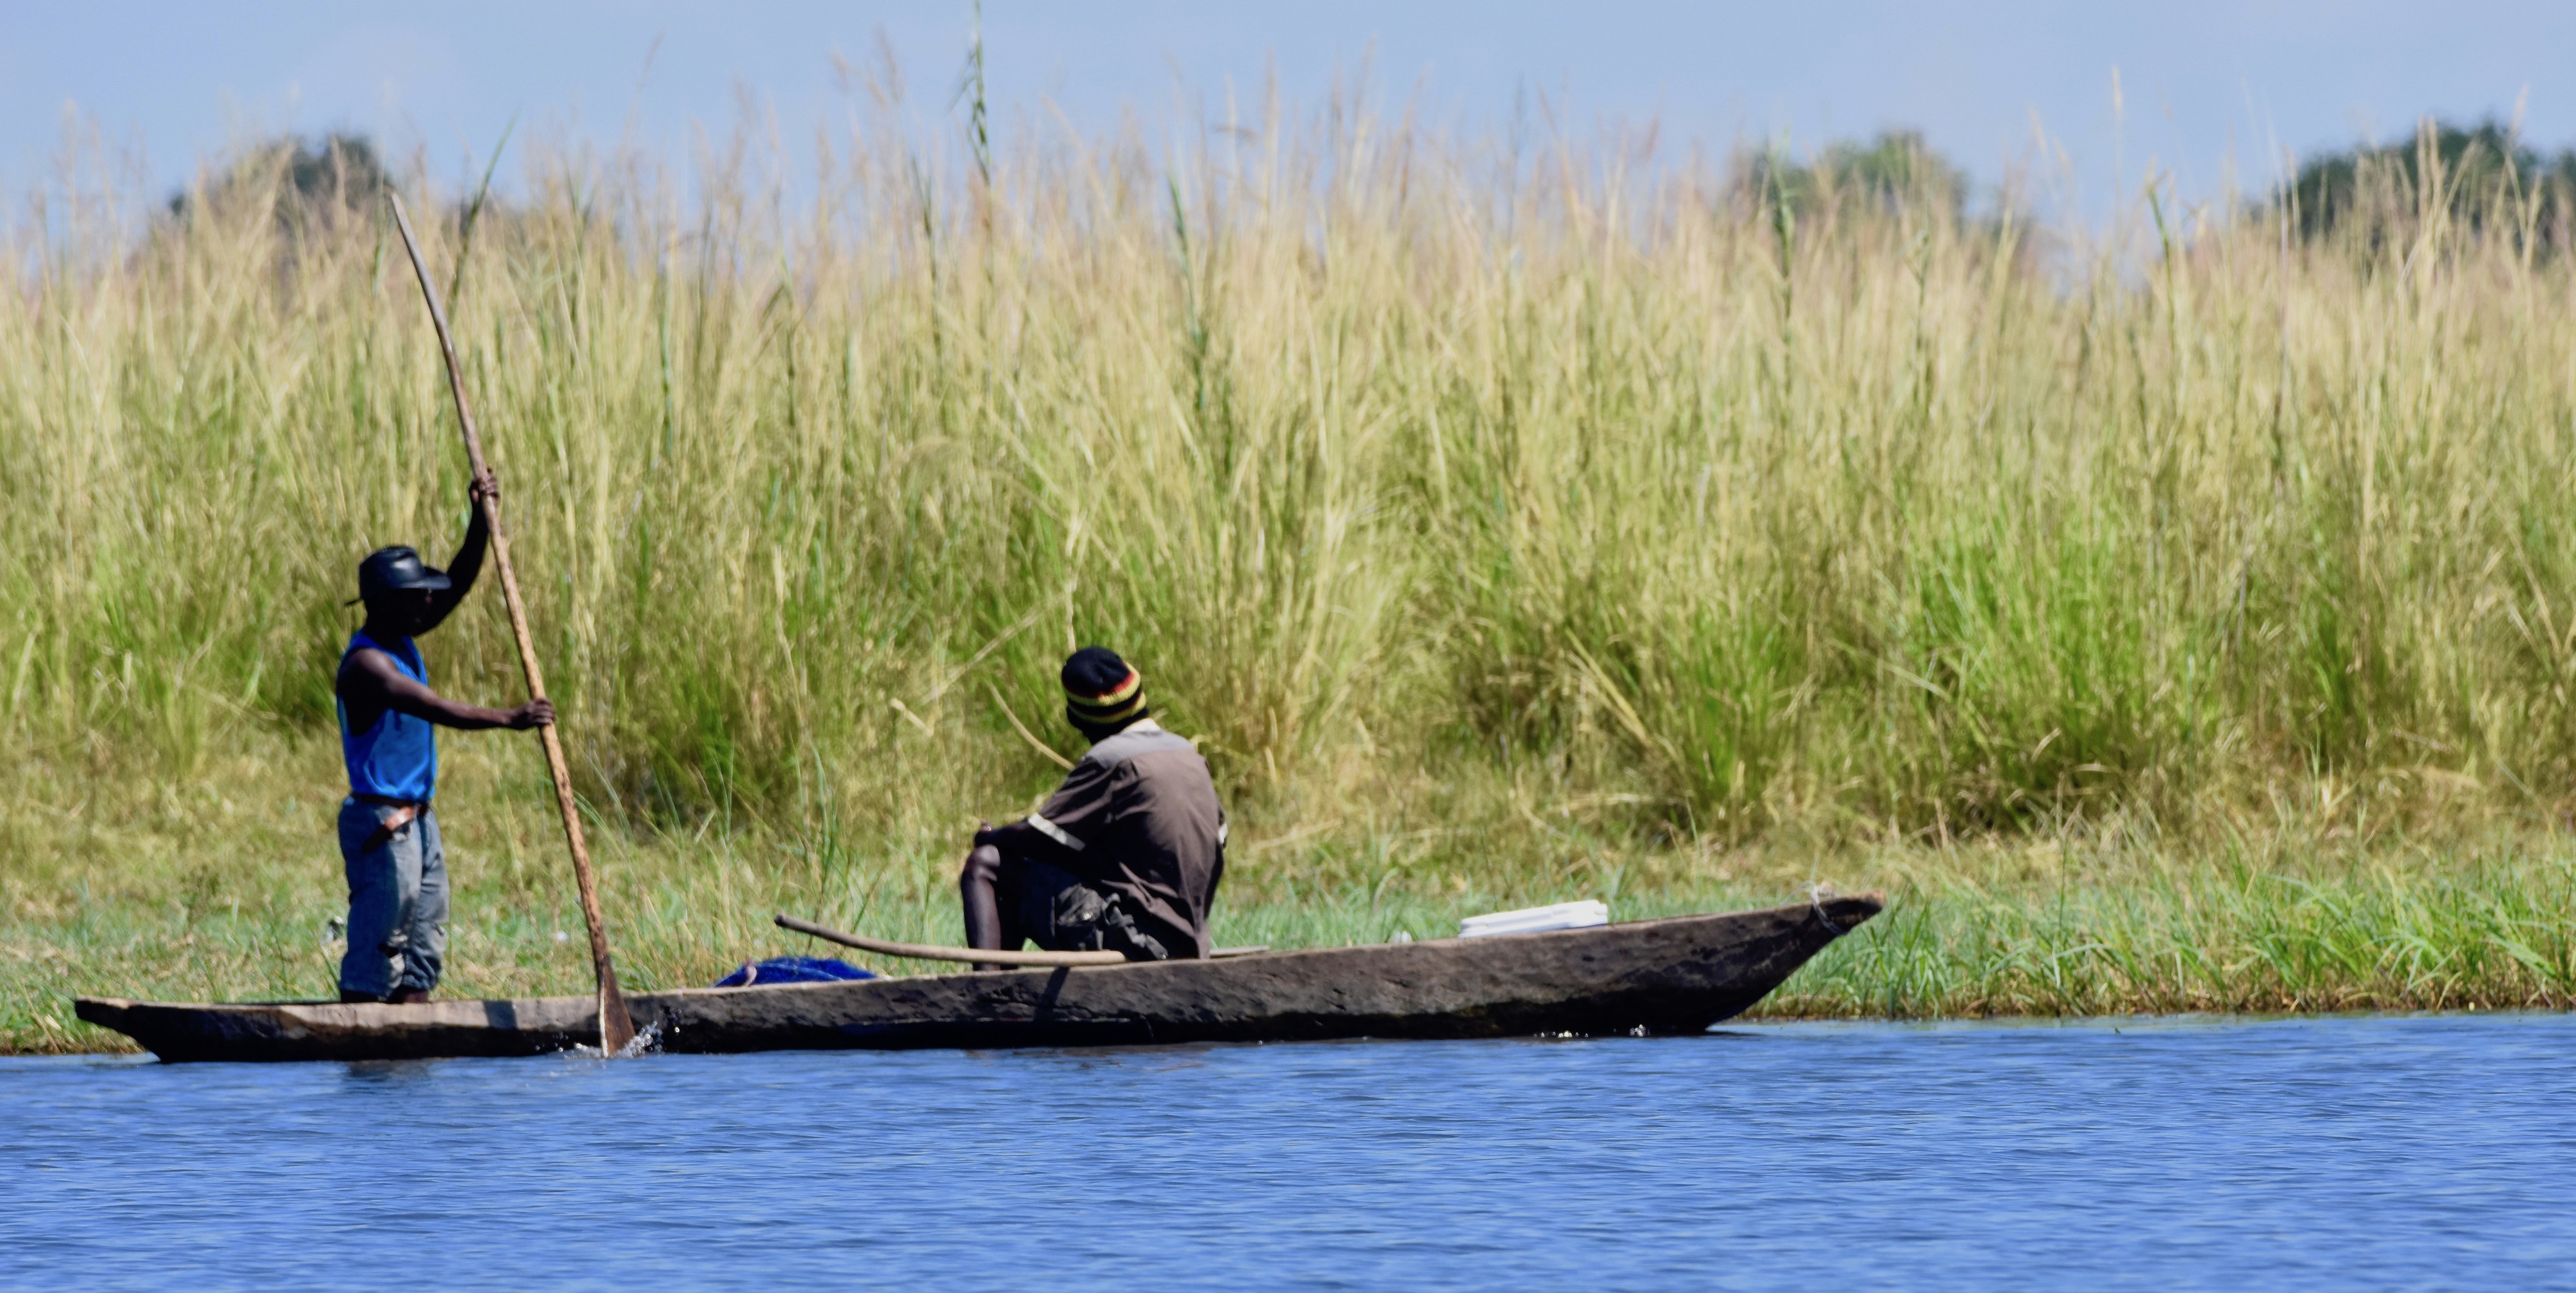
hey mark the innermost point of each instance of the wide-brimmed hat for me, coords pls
(397, 570)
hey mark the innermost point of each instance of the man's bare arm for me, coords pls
(370, 681)
(467, 565)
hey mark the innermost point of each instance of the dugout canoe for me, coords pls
(1674, 975)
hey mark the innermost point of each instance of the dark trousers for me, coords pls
(1051, 907)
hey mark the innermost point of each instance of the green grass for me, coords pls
(1501, 534)
(190, 895)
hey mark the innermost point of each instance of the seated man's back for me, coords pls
(1124, 856)
(1138, 817)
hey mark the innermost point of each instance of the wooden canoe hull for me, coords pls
(1675, 975)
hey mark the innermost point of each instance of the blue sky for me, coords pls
(2199, 80)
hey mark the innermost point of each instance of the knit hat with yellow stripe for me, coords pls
(1101, 691)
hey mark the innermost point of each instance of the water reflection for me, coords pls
(390, 1074)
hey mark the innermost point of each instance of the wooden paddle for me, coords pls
(616, 1026)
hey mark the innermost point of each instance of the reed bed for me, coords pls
(1504, 525)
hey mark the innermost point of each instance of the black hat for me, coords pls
(395, 570)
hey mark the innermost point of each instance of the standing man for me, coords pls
(388, 835)
(1125, 856)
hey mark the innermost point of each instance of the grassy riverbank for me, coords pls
(2177, 618)
(187, 893)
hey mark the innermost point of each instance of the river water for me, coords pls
(2405, 1152)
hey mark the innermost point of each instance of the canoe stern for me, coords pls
(325, 1030)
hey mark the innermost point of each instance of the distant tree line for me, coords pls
(2482, 178)
(307, 180)
(1888, 175)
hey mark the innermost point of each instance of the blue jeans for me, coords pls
(397, 901)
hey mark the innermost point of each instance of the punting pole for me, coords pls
(932, 952)
(616, 1026)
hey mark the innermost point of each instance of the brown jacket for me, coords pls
(1138, 818)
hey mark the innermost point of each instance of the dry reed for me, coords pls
(1502, 525)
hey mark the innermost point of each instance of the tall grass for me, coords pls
(1498, 522)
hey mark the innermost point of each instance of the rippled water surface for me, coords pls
(2319, 1153)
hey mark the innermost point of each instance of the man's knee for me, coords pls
(983, 865)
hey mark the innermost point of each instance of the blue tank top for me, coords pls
(397, 756)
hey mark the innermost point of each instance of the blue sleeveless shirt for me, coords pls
(397, 756)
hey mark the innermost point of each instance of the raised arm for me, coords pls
(483, 492)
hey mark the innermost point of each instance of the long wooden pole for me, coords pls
(978, 955)
(616, 1026)
(932, 952)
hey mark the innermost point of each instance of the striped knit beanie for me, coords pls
(1101, 691)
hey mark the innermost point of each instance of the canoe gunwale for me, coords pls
(1665, 975)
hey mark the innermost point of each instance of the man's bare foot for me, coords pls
(409, 996)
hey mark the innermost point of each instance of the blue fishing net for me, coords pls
(793, 969)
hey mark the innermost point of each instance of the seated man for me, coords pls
(1125, 857)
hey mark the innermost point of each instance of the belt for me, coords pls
(405, 812)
